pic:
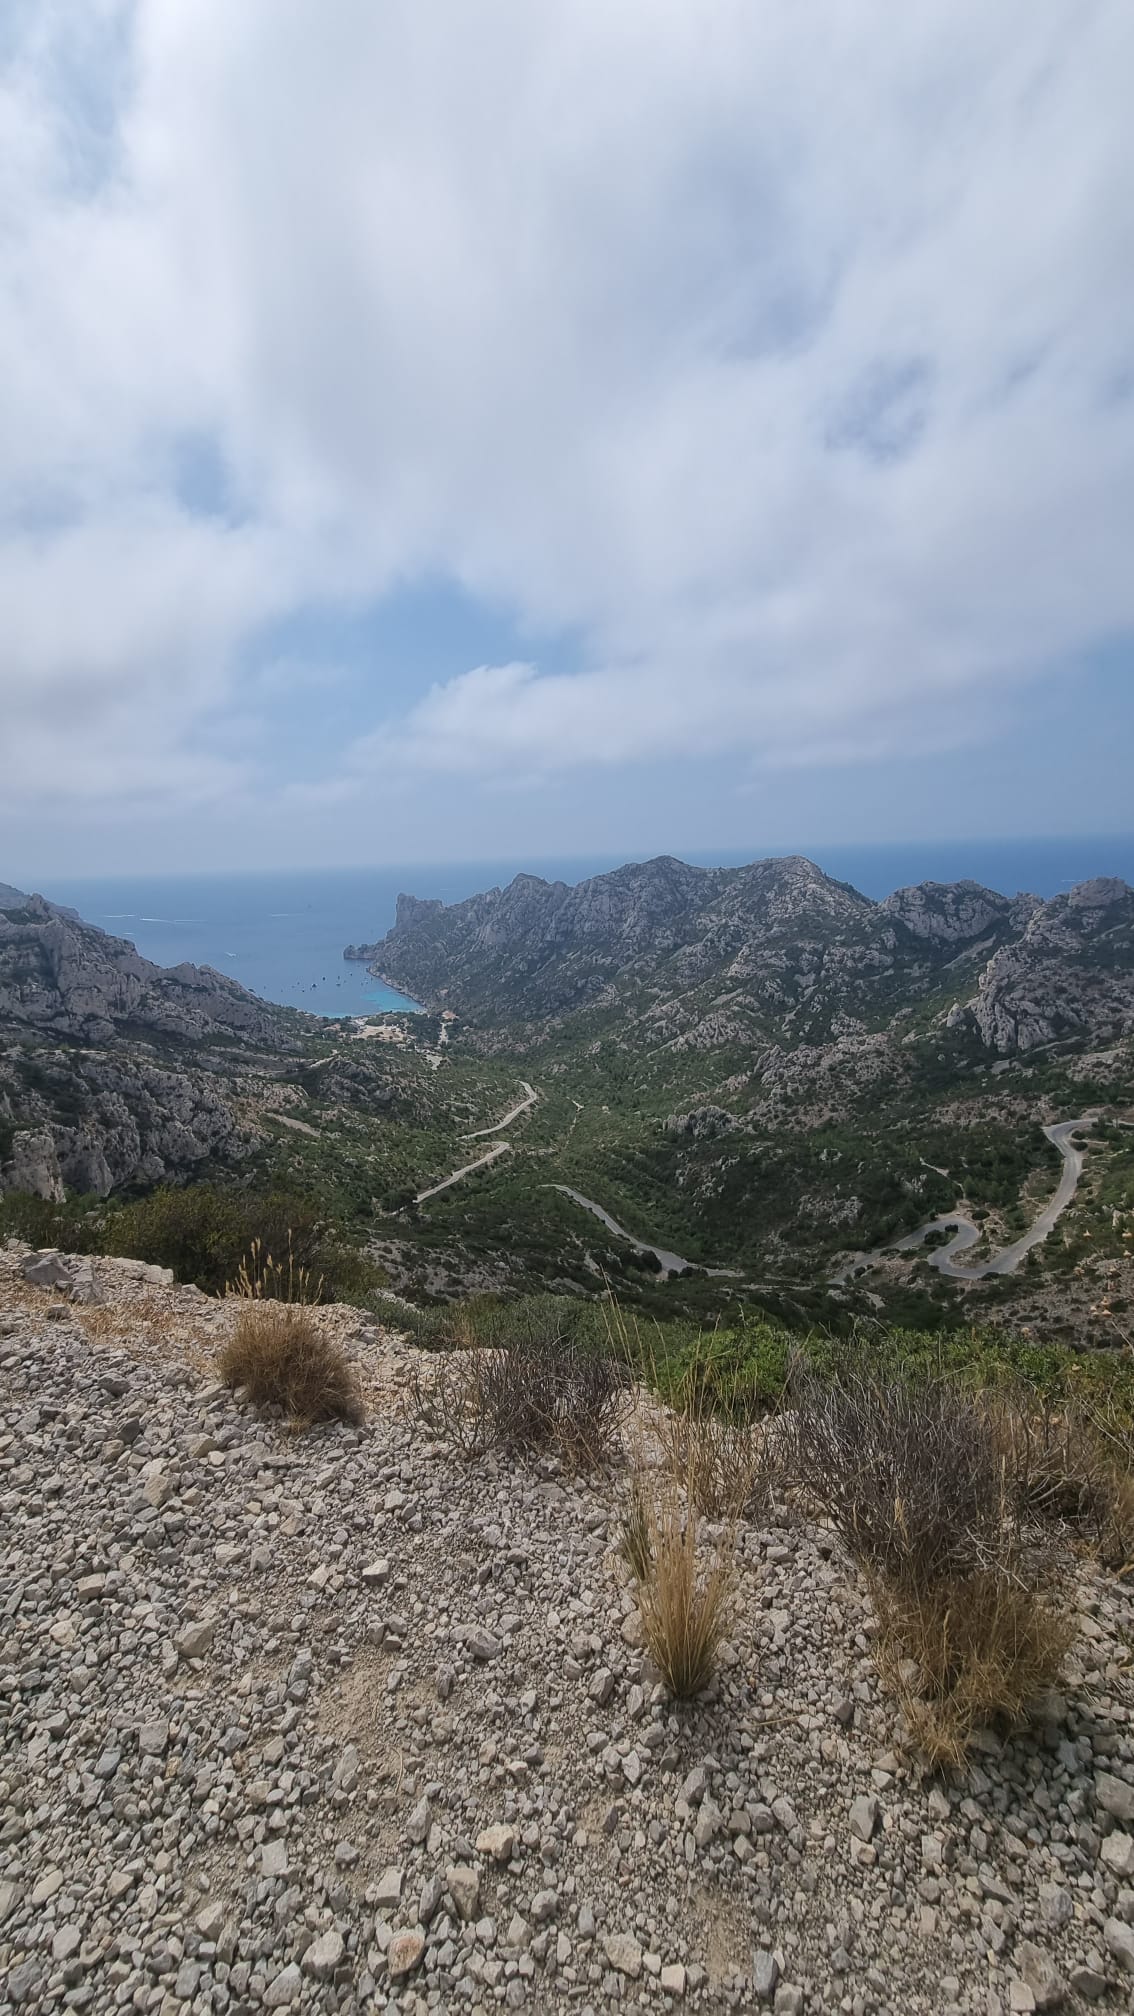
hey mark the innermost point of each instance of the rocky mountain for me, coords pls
(1069, 974)
(774, 950)
(62, 977)
(112, 1070)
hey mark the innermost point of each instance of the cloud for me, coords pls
(776, 355)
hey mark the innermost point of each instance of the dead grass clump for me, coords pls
(984, 1648)
(685, 1587)
(544, 1394)
(1068, 1468)
(914, 1478)
(283, 1359)
(720, 1460)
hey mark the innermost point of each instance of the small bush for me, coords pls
(684, 1590)
(907, 1473)
(545, 1394)
(278, 1352)
(914, 1479)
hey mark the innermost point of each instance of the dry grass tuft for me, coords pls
(1068, 1468)
(934, 1505)
(685, 1595)
(544, 1394)
(984, 1648)
(278, 1352)
(720, 1461)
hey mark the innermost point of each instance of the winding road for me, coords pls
(500, 1148)
(513, 1114)
(967, 1234)
(671, 1263)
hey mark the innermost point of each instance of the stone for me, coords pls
(324, 1955)
(432, 1891)
(24, 1980)
(376, 1573)
(765, 1974)
(1021, 2001)
(388, 1889)
(10, 1894)
(1115, 1795)
(347, 1769)
(482, 1644)
(284, 1989)
(1119, 1942)
(865, 1813)
(1117, 1852)
(1047, 1985)
(274, 1858)
(789, 2000)
(48, 1886)
(157, 1490)
(672, 1979)
(1056, 1906)
(210, 1921)
(545, 1904)
(195, 1640)
(417, 1826)
(67, 1941)
(463, 1885)
(1088, 1980)
(403, 1953)
(153, 1738)
(623, 1953)
(496, 1842)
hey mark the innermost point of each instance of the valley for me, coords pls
(711, 1090)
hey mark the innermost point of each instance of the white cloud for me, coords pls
(777, 353)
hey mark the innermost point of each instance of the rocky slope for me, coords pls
(61, 977)
(1068, 976)
(776, 949)
(336, 1723)
(113, 1070)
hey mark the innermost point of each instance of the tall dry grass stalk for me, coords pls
(686, 1594)
(260, 1278)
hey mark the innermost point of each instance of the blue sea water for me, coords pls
(283, 933)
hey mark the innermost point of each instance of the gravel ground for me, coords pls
(333, 1722)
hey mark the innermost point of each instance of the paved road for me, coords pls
(501, 1148)
(513, 1114)
(672, 1263)
(967, 1234)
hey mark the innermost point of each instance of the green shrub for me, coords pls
(204, 1232)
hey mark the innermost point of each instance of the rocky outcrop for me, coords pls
(32, 1166)
(96, 1120)
(62, 977)
(950, 913)
(1069, 977)
(114, 1071)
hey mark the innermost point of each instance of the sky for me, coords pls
(437, 431)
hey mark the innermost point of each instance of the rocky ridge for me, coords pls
(114, 1071)
(707, 957)
(333, 1722)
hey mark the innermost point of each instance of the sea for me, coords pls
(282, 933)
